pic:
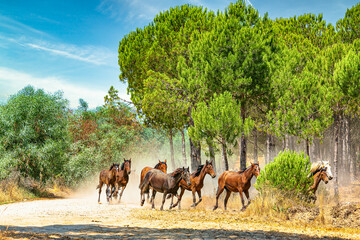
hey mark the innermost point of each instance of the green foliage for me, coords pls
(219, 119)
(33, 134)
(348, 28)
(288, 172)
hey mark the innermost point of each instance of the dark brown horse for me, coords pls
(108, 177)
(197, 182)
(164, 183)
(236, 182)
(122, 177)
(162, 166)
(318, 175)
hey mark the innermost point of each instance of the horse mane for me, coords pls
(176, 172)
(243, 170)
(158, 164)
(198, 171)
(123, 165)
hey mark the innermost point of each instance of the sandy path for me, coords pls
(83, 217)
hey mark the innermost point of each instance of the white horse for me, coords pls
(322, 164)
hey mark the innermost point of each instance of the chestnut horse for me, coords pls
(164, 183)
(108, 177)
(122, 177)
(197, 182)
(162, 166)
(318, 175)
(236, 182)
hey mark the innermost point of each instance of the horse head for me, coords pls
(185, 175)
(114, 166)
(209, 169)
(126, 166)
(255, 169)
(162, 166)
(323, 175)
(326, 165)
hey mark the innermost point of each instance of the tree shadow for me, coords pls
(94, 231)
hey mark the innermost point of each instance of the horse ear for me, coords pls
(165, 161)
(207, 162)
(124, 159)
(130, 160)
(183, 168)
(159, 161)
(188, 168)
(252, 164)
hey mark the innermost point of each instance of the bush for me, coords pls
(288, 173)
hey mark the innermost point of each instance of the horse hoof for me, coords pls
(215, 208)
(243, 209)
(193, 205)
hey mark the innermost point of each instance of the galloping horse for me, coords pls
(316, 166)
(318, 176)
(164, 183)
(108, 177)
(162, 166)
(122, 177)
(236, 182)
(197, 183)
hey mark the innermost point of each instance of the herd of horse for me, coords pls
(157, 179)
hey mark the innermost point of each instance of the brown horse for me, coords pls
(122, 178)
(236, 182)
(162, 166)
(108, 177)
(164, 183)
(318, 175)
(197, 182)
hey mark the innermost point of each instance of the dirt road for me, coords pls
(83, 217)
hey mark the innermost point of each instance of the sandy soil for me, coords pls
(81, 217)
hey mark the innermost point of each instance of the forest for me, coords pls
(230, 86)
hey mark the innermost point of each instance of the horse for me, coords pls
(318, 176)
(122, 177)
(108, 177)
(236, 182)
(164, 183)
(162, 166)
(319, 165)
(197, 182)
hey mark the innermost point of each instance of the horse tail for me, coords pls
(144, 186)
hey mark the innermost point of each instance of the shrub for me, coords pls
(288, 173)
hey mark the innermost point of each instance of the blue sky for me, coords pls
(72, 45)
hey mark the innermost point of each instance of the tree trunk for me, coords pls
(183, 147)
(336, 154)
(195, 155)
(172, 149)
(195, 151)
(255, 146)
(224, 154)
(242, 145)
(268, 148)
(307, 148)
(212, 153)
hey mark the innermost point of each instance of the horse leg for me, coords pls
(242, 199)
(194, 198)
(179, 198)
(228, 193)
(171, 203)
(163, 200)
(200, 198)
(121, 193)
(107, 193)
(153, 199)
(218, 193)
(247, 197)
(100, 187)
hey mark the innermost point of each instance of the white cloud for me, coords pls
(12, 81)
